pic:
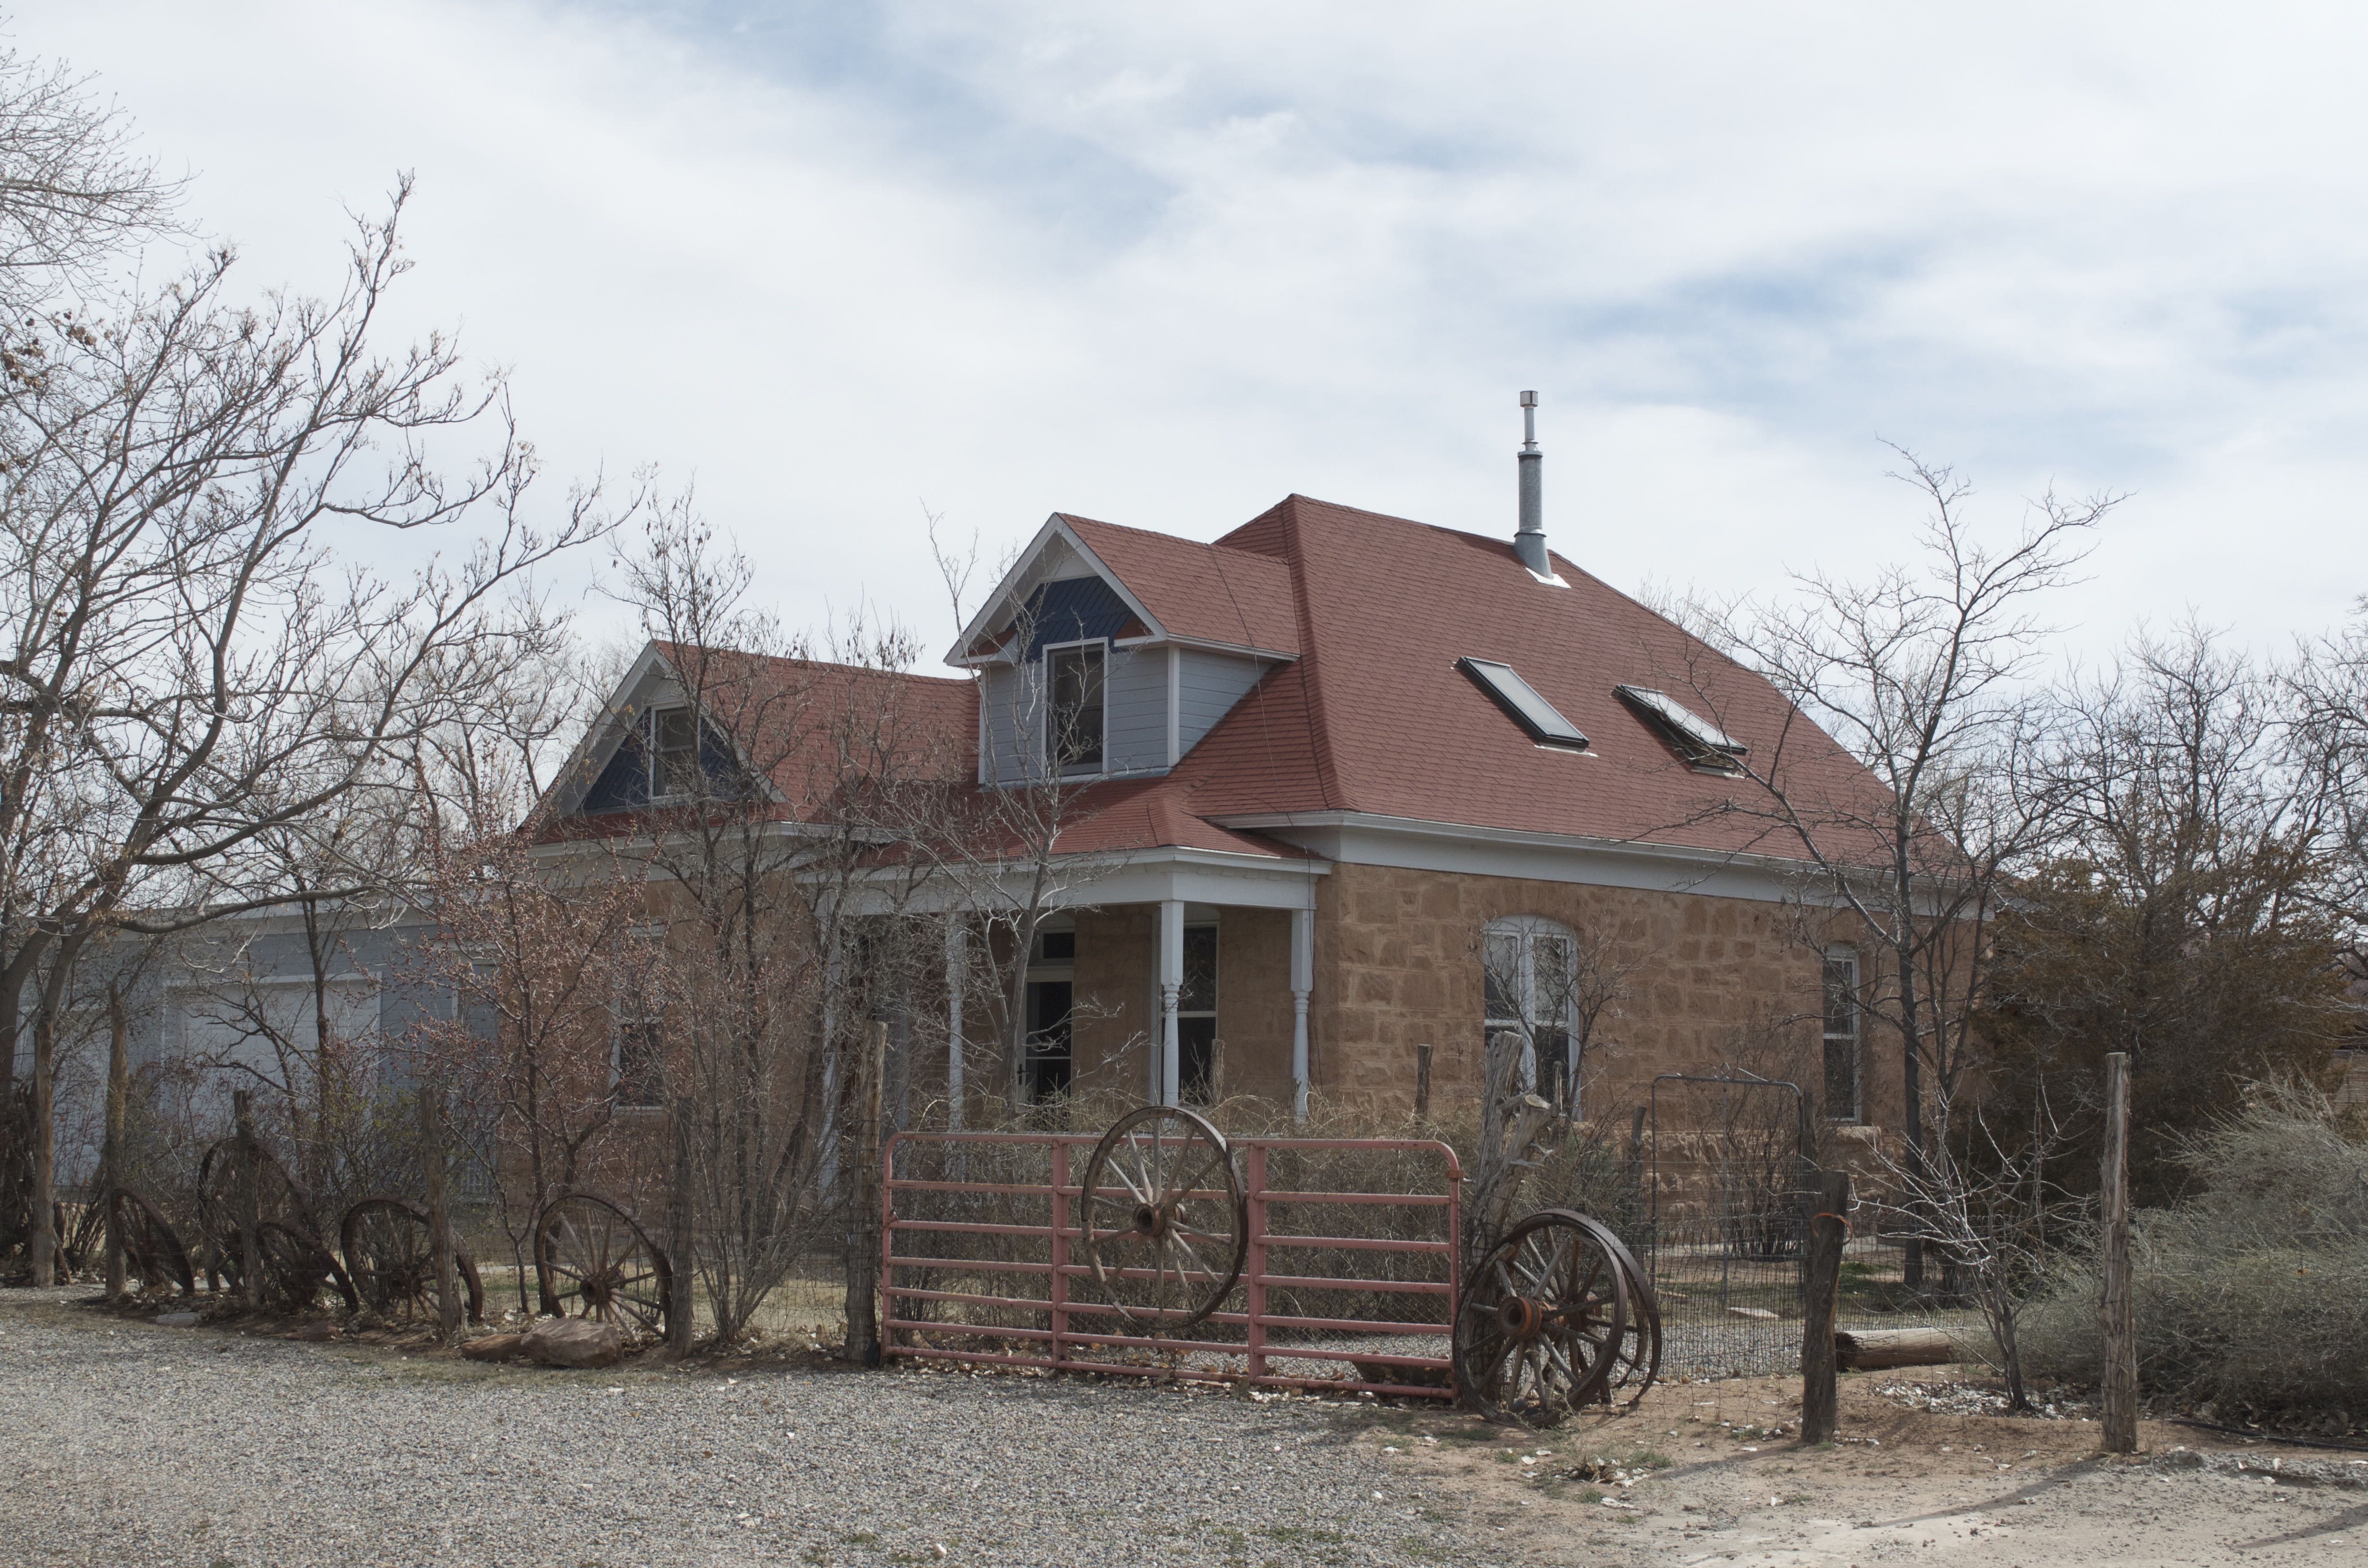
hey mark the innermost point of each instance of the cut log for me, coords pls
(1865, 1349)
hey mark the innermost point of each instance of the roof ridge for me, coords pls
(1073, 518)
(1311, 679)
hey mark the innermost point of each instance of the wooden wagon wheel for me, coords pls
(391, 1258)
(1539, 1327)
(595, 1262)
(1636, 1365)
(295, 1268)
(152, 1251)
(1162, 1217)
(223, 1177)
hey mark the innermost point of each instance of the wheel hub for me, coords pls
(1521, 1317)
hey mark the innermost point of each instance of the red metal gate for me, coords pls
(1063, 1329)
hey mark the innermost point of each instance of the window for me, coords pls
(671, 743)
(1842, 1032)
(1073, 731)
(1196, 1018)
(1539, 719)
(637, 1048)
(1528, 968)
(1694, 738)
(1045, 1071)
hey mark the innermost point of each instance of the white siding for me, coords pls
(1211, 685)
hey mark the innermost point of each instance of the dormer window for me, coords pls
(671, 743)
(1074, 728)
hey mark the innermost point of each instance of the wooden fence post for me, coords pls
(1422, 1082)
(1820, 1300)
(249, 1198)
(2121, 1392)
(863, 1244)
(440, 1216)
(682, 1313)
(110, 1162)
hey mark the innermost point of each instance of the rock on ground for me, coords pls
(574, 1342)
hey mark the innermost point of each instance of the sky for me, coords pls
(844, 267)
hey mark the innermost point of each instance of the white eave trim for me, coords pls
(1055, 527)
(1411, 843)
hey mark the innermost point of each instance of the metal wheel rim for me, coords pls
(149, 1243)
(1577, 1291)
(591, 1252)
(1143, 1211)
(391, 1258)
(298, 1267)
(1638, 1363)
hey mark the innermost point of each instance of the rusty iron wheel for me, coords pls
(1540, 1323)
(1636, 1365)
(391, 1261)
(595, 1262)
(296, 1269)
(153, 1252)
(1163, 1218)
(231, 1170)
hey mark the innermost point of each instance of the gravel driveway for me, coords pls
(133, 1444)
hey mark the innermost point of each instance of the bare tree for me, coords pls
(1554, 987)
(1924, 676)
(74, 194)
(776, 787)
(188, 669)
(2326, 693)
(2187, 909)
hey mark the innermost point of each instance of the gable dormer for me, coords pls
(1109, 651)
(649, 749)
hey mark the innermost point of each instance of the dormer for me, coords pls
(649, 751)
(1107, 652)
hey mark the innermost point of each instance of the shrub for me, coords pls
(2254, 1292)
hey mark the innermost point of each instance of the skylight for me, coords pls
(1522, 704)
(1700, 742)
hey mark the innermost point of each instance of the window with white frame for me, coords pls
(637, 1039)
(1530, 966)
(1074, 707)
(1842, 1018)
(669, 741)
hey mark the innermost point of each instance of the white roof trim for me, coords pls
(606, 734)
(1009, 589)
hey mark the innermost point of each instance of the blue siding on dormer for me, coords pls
(624, 784)
(1072, 610)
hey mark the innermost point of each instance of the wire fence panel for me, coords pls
(1348, 1278)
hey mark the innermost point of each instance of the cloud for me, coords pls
(1163, 265)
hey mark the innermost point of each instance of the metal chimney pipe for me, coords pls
(1530, 543)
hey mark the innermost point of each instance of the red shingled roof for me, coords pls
(1204, 593)
(1373, 716)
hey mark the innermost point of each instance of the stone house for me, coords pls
(1341, 785)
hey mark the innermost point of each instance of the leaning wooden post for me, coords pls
(440, 1216)
(2120, 1401)
(1422, 1084)
(863, 1244)
(111, 1161)
(1820, 1299)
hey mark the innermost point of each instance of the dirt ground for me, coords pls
(1714, 1474)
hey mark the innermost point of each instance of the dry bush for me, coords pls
(2254, 1293)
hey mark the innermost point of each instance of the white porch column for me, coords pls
(1302, 981)
(957, 981)
(1170, 1088)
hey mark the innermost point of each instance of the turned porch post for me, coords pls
(1166, 1084)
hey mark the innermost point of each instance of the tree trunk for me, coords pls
(112, 1158)
(683, 1314)
(1911, 1115)
(45, 1148)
